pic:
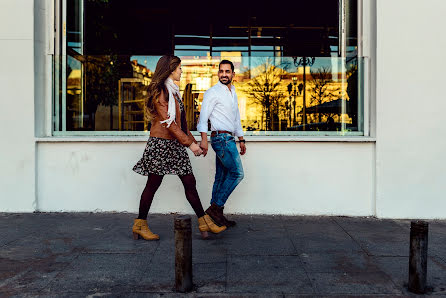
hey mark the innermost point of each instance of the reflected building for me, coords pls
(113, 60)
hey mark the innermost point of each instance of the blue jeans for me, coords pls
(229, 170)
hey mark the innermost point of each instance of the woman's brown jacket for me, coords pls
(174, 131)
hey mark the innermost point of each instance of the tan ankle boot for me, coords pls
(141, 229)
(205, 224)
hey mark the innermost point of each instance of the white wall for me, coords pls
(411, 105)
(280, 178)
(17, 161)
(326, 178)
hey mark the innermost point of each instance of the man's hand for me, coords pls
(242, 148)
(195, 149)
(204, 147)
(204, 143)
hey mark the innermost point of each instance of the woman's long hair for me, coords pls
(165, 66)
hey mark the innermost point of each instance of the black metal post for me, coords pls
(304, 61)
(294, 109)
(418, 256)
(183, 254)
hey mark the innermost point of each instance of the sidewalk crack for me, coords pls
(150, 262)
(51, 281)
(357, 242)
(299, 257)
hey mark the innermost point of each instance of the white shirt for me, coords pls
(220, 106)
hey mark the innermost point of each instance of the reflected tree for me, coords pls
(266, 90)
(102, 76)
(322, 89)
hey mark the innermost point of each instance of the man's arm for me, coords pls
(207, 106)
(204, 143)
(239, 131)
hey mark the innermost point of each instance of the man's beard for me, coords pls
(229, 81)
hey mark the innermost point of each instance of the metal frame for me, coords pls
(56, 68)
(64, 65)
(342, 53)
(60, 80)
(60, 65)
(291, 134)
(81, 27)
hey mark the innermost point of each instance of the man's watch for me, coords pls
(242, 141)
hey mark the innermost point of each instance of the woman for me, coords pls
(165, 152)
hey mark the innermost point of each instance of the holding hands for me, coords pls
(202, 147)
(196, 149)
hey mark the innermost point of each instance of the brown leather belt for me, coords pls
(214, 133)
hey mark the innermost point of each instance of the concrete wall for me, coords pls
(411, 104)
(17, 160)
(402, 177)
(280, 178)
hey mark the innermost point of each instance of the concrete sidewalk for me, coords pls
(82, 254)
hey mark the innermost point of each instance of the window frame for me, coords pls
(366, 13)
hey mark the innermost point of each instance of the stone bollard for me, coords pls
(418, 256)
(183, 254)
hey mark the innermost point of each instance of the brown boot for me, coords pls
(205, 225)
(141, 230)
(214, 212)
(228, 223)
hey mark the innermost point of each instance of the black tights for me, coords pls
(154, 182)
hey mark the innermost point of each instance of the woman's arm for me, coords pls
(161, 107)
(189, 134)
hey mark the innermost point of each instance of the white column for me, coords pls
(411, 105)
(17, 161)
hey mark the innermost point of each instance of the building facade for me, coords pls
(338, 117)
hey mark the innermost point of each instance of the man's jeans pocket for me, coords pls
(219, 146)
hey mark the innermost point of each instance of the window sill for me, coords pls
(124, 139)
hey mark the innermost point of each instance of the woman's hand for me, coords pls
(196, 149)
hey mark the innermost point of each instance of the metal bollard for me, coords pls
(183, 254)
(418, 256)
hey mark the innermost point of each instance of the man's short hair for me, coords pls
(226, 62)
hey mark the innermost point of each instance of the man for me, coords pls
(220, 106)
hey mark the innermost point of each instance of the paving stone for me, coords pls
(364, 283)
(324, 243)
(31, 262)
(33, 275)
(338, 262)
(378, 237)
(398, 269)
(255, 243)
(304, 225)
(437, 241)
(267, 274)
(93, 254)
(208, 251)
(252, 238)
(209, 277)
(101, 273)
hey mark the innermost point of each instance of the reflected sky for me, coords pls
(286, 63)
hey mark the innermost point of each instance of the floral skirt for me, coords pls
(164, 157)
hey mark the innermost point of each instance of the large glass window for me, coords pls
(297, 66)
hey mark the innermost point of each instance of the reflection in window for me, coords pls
(294, 71)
